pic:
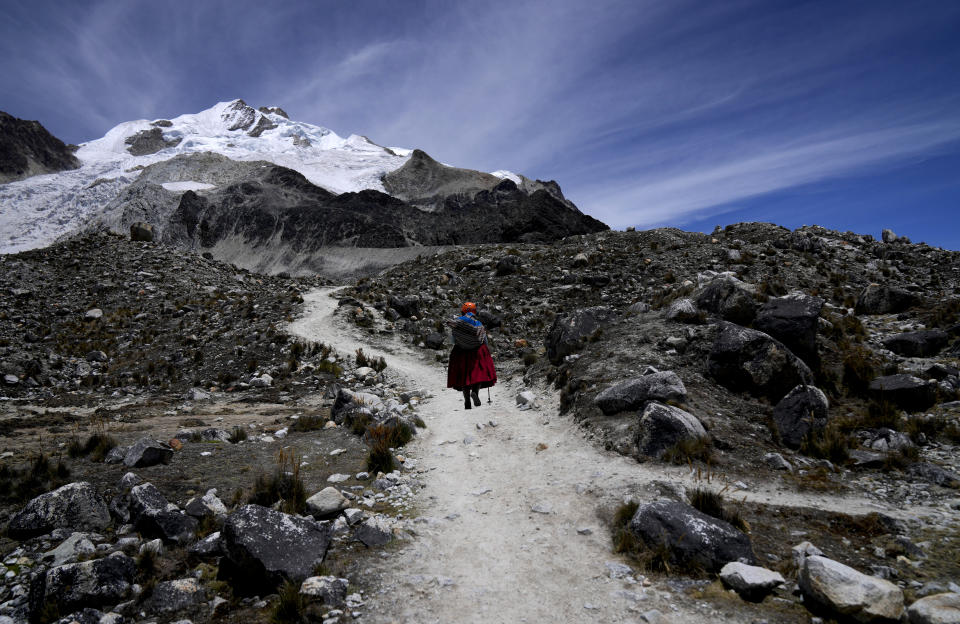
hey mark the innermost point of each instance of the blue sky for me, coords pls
(843, 114)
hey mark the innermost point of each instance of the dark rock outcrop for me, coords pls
(148, 452)
(925, 343)
(729, 298)
(568, 332)
(27, 149)
(75, 506)
(665, 426)
(877, 299)
(86, 584)
(793, 320)
(905, 391)
(803, 410)
(749, 360)
(149, 142)
(694, 539)
(264, 547)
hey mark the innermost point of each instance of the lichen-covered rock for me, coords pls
(75, 506)
(694, 538)
(86, 584)
(568, 332)
(328, 590)
(207, 505)
(374, 531)
(683, 311)
(877, 299)
(804, 409)
(847, 592)
(153, 516)
(749, 360)
(176, 595)
(664, 426)
(633, 394)
(265, 547)
(730, 298)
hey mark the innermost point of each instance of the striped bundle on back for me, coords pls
(467, 333)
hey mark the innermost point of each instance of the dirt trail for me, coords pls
(507, 532)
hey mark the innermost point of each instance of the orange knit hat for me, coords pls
(469, 307)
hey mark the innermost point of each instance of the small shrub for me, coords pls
(624, 541)
(860, 367)
(361, 358)
(308, 423)
(380, 458)
(284, 485)
(237, 434)
(711, 503)
(378, 364)
(529, 359)
(688, 451)
(829, 443)
(901, 458)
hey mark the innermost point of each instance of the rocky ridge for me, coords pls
(27, 149)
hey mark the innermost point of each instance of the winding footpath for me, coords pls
(508, 527)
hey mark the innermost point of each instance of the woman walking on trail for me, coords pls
(471, 366)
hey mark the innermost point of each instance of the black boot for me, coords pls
(466, 400)
(475, 393)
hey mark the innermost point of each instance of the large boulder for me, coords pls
(846, 592)
(153, 516)
(924, 343)
(94, 583)
(406, 306)
(664, 426)
(327, 502)
(633, 394)
(804, 409)
(936, 609)
(750, 582)
(694, 539)
(905, 391)
(877, 299)
(793, 320)
(570, 331)
(728, 297)
(148, 452)
(265, 547)
(75, 506)
(749, 360)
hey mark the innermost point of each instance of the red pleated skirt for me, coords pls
(471, 367)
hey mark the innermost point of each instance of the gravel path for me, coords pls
(508, 528)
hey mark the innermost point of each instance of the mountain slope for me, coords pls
(27, 149)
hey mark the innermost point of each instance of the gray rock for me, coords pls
(406, 306)
(83, 616)
(526, 397)
(374, 531)
(148, 452)
(153, 516)
(793, 320)
(877, 299)
(934, 474)
(777, 462)
(568, 332)
(888, 236)
(208, 547)
(264, 546)
(353, 516)
(434, 341)
(508, 265)
(748, 360)
(327, 502)
(936, 609)
(694, 538)
(750, 582)
(663, 426)
(633, 394)
(683, 311)
(328, 590)
(86, 584)
(804, 409)
(905, 391)
(730, 298)
(847, 592)
(116, 455)
(97, 356)
(177, 595)
(70, 549)
(127, 482)
(926, 343)
(93, 314)
(207, 505)
(74, 506)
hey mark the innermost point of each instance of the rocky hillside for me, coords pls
(27, 149)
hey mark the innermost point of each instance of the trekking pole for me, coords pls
(489, 401)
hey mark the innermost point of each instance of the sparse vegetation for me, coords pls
(689, 451)
(284, 485)
(711, 503)
(289, 606)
